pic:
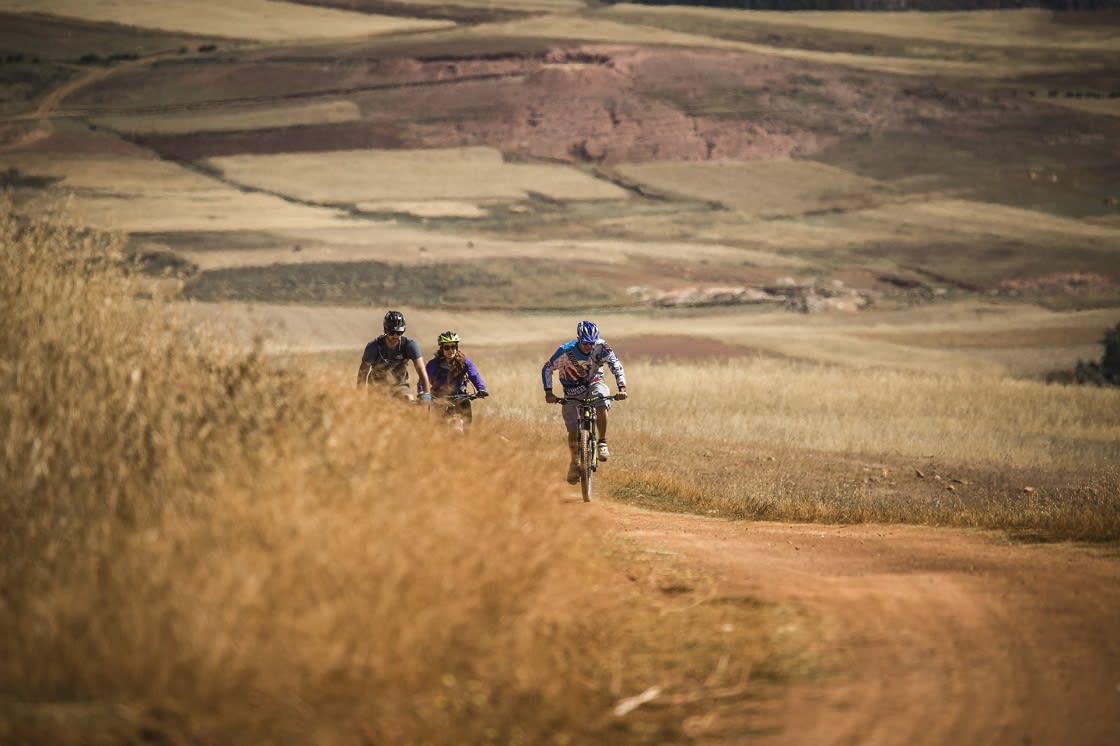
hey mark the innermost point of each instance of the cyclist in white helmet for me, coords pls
(579, 363)
(385, 360)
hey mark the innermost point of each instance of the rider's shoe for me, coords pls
(604, 454)
(573, 473)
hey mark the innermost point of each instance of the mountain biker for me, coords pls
(450, 370)
(579, 363)
(385, 361)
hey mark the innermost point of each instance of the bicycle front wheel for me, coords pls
(587, 465)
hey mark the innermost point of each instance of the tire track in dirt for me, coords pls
(931, 636)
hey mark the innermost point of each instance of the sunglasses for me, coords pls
(449, 347)
(393, 334)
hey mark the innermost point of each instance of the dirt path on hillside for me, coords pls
(44, 127)
(939, 636)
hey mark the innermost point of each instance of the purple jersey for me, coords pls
(439, 373)
(578, 371)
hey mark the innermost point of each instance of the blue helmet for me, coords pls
(587, 333)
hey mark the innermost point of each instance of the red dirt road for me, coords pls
(937, 636)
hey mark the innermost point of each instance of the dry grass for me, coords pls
(788, 440)
(233, 119)
(371, 176)
(762, 188)
(983, 45)
(1029, 27)
(260, 20)
(145, 194)
(203, 546)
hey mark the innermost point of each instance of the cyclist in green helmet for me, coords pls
(450, 371)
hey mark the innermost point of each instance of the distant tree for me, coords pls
(1107, 371)
(1110, 363)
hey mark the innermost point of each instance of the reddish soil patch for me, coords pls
(673, 347)
(931, 636)
(598, 103)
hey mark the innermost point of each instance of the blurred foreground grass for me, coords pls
(200, 547)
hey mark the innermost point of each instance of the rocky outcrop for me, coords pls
(787, 293)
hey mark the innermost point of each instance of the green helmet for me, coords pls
(448, 338)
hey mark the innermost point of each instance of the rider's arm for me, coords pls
(547, 370)
(366, 364)
(612, 361)
(423, 385)
(432, 369)
(474, 376)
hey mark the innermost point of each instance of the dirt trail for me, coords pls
(43, 113)
(938, 636)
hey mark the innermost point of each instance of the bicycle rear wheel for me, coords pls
(587, 465)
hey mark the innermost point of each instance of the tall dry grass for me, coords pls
(790, 440)
(202, 547)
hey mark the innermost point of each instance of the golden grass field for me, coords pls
(200, 522)
(196, 524)
(258, 20)
(210, 537)
(249, 117)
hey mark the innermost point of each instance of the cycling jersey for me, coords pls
(383, 364)
(579, 371)
(439, 373)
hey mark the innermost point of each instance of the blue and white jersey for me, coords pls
(579, 371)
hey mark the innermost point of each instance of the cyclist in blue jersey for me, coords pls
(579, 363)
(385, 360)
(450, 370)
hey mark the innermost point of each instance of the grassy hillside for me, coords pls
(653, 151)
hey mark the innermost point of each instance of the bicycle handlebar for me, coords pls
(460, 397)
(584, 399)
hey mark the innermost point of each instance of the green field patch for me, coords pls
(441, 174)
(235, 118)
(526, 284)
(763, 188)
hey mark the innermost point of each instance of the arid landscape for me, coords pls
(850, 260)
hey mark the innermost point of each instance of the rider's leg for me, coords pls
(571, 424)
(573, 464)
(573, 446)
(601, 422)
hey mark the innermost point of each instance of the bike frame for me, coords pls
(587, 447)
(454, 417)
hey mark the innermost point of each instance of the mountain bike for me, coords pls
(454, 414)
(587, 449)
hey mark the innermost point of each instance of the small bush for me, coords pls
(1107, 371)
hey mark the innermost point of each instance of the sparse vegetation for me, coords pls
(777, 439)
(1107, 371)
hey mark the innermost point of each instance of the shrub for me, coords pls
(1107, 371)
